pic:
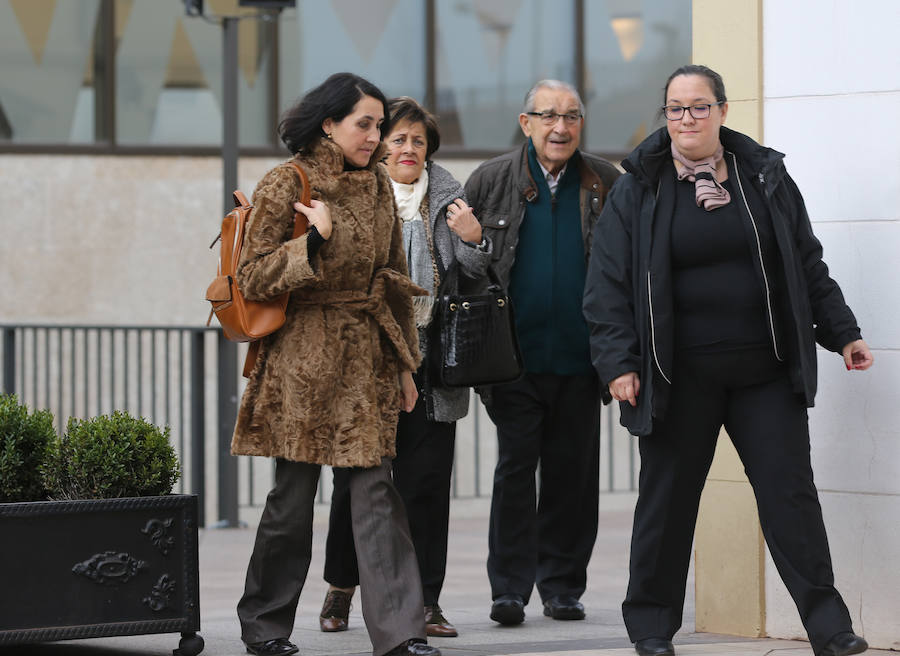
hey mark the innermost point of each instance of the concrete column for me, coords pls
(729, 565)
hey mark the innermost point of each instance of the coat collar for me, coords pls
(528, 187)
(647, 160)
(329, 158)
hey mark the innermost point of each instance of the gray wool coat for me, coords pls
(443, 403)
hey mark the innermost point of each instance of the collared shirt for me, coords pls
(553, 182)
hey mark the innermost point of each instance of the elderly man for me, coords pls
(538, 205)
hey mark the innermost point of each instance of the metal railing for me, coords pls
(185, 378)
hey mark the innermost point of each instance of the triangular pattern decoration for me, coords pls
(35, 18)
(183, 69)
(629, 31)
(365, 22)
(496, 19)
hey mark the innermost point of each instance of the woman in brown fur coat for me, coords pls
(327, 387)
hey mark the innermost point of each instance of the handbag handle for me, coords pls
(301, 223)
(450, 285)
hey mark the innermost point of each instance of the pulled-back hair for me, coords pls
(405, 108)
(335, 98)
(715, 80)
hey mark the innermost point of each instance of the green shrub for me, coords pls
(109, 457)
(24, 441)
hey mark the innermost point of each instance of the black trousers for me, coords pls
(750, 394)
(422, 470)
(544, 537)
(391, 601)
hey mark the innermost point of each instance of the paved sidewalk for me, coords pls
(465, 600)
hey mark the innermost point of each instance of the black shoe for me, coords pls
(564, 607)
(414, 647)
(654, 647)
(508, 609)
(843, 644)
(275, 647)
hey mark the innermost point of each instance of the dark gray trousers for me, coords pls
(389, 576)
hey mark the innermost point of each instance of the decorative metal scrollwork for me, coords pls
(162, 592)
(110, 567)
(158, 532)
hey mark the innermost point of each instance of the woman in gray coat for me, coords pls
(439, 232)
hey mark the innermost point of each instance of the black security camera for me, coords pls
(193, 7)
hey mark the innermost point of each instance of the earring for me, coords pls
(328, 135)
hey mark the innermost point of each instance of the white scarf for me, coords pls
(409, 196)
(415, 242)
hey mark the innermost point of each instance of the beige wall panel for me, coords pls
(727, 465)
(729, 571)
(729, 562)
(727, 38)
(745, 116)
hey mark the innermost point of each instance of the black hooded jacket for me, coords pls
(628, 291)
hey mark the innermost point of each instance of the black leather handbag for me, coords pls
(474, 339)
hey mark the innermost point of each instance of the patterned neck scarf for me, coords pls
(710, 193)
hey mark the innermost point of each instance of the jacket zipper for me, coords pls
(762, 264)
(650, 303)
(653, 330)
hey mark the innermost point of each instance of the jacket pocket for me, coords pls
(496, 225)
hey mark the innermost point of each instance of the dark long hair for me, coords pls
(405, 108)
(715, 80)
(335, 98)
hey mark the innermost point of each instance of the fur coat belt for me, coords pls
(385, 284)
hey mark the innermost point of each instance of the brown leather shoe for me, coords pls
(335, 611)
(436, 625)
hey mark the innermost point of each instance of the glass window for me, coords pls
(631, 47)
(46, 80)
(489, 54)
(167, 71)
(169, 75)
(381, 40)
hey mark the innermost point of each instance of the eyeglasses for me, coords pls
(550, 117)
(675, 112)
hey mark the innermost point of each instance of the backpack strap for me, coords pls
(301, 223)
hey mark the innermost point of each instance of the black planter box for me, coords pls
(107, 567)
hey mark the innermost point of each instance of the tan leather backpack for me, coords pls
(243, 320)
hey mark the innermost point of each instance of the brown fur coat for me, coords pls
(325, 387)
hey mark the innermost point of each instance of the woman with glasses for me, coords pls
(706, 295)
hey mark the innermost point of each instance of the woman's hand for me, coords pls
(857, 355)
(626, 387)
(408, 391)
(462, 221)
(318, 215)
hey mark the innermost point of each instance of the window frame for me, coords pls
(104, 61)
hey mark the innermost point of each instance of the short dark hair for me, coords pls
(405, 108)
(335, 98)
(715, 80)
